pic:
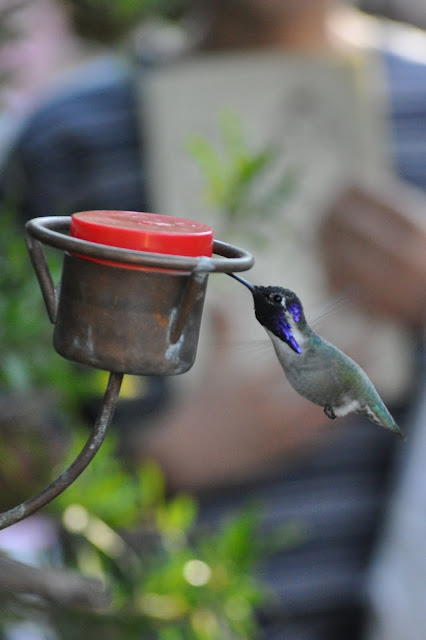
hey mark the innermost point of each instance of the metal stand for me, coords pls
(179, 326)
(90, 449)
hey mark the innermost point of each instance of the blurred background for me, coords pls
(411, 11)
(222, 505)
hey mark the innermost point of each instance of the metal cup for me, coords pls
(140, 317)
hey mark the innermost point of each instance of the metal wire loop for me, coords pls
(48, 229)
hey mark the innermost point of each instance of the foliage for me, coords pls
(236, 177)
(108, 20)
(169, 578)
(164, 578)
(104, 21)
(129, 9)
(28, 360)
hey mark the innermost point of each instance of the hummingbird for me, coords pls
(314, 367)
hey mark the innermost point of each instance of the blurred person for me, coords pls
(40, 47)
(412, 11)
(37, 48)
(235, 436)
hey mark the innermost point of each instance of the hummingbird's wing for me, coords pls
(319, 375)
(359, 386)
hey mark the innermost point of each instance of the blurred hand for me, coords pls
(375, 249)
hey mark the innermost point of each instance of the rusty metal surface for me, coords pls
(103, 421)
(120, 319)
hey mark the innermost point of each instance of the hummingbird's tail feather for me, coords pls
(381, 416)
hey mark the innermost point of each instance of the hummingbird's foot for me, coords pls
(328, 410)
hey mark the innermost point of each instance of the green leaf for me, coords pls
(238, 544)
(231, 178)
(171, 633)
(151, 485)
(256, 165)
(211, 164)
(105, 489)
(232, 135)
(175, 518)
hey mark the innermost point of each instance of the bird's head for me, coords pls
(279, 310)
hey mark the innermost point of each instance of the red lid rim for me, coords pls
(143, 231)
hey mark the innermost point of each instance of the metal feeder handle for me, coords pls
(45, 230)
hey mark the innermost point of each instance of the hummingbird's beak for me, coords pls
(246, 283)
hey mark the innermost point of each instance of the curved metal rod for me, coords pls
(103, 421)
(44, 277)
(47, 229)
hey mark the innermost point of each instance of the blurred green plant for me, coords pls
(237, 178)
(40, 393)
(108, 21)
(165, 578)
(28, 360)
(104, 21)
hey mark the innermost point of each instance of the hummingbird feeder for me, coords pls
(130, 300)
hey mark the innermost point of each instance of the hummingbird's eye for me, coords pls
(277, 298)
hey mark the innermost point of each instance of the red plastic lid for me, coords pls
(141, 231)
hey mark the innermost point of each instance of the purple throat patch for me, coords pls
(295, 311)
(284, 329)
